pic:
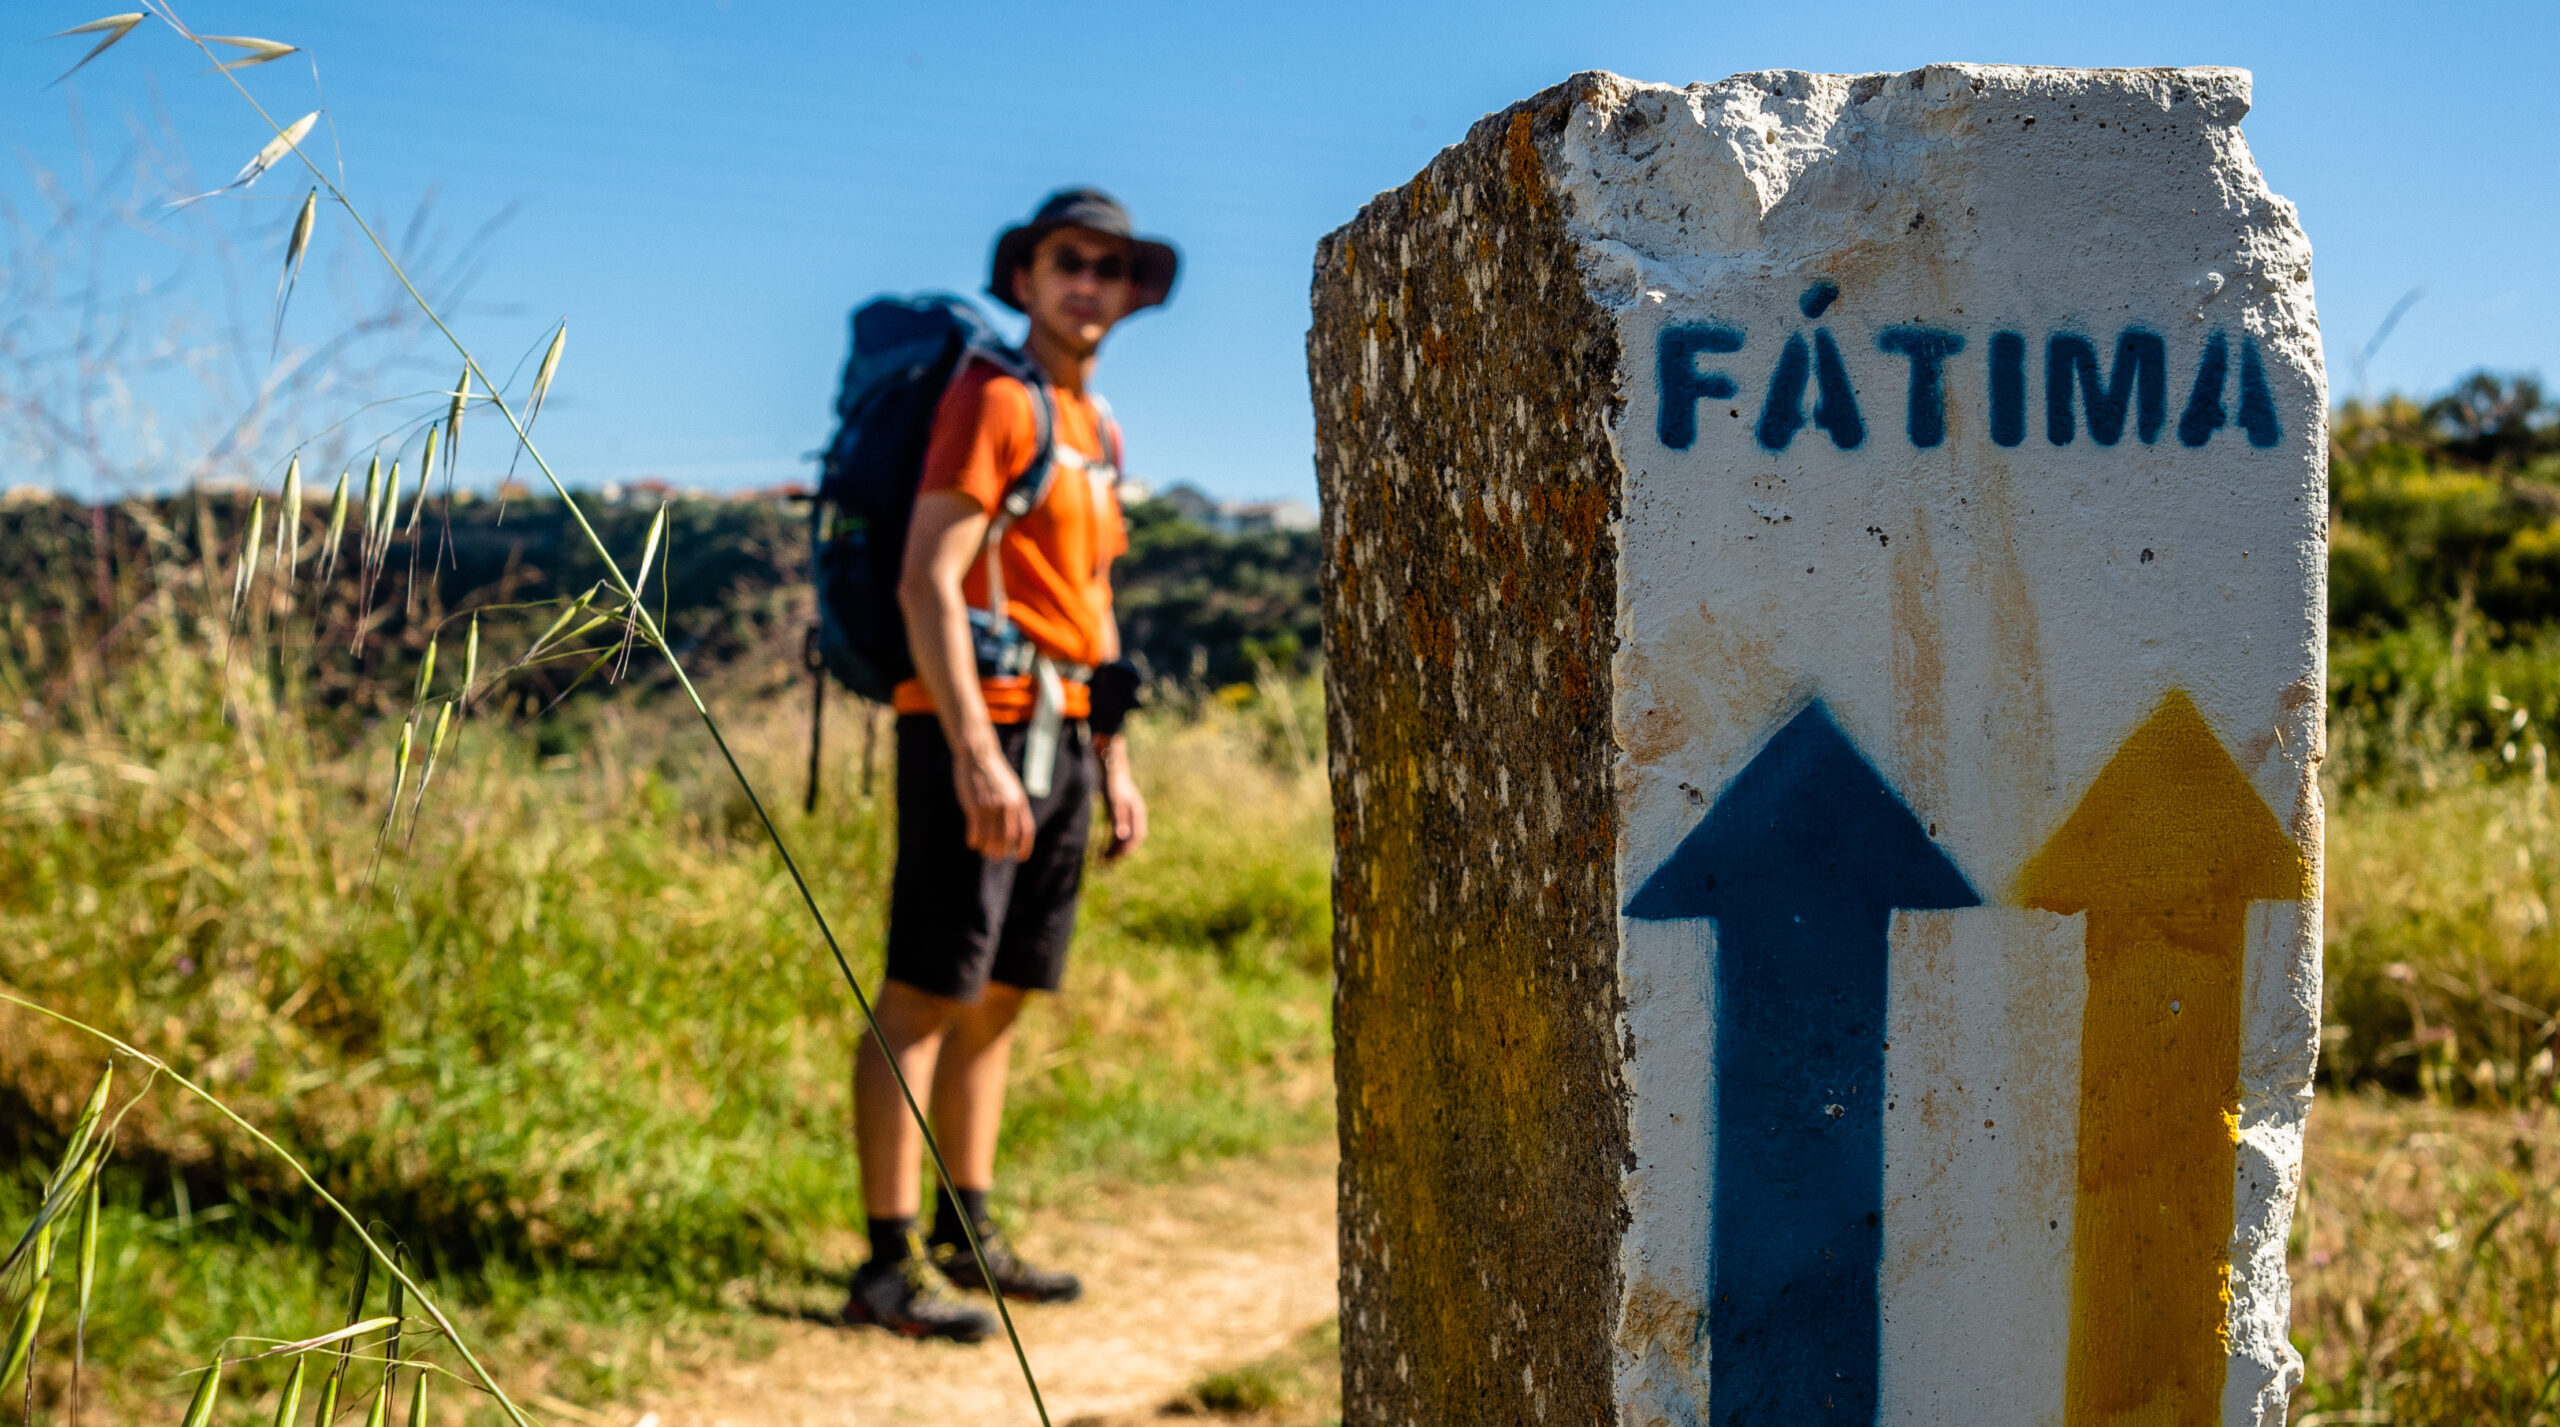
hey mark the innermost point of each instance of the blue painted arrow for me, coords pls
(1801, 862)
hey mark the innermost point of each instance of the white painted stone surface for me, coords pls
(1986, 622)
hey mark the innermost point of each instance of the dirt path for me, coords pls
(1180, 1280)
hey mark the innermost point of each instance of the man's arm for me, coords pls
(947, 532)
(1120, 795)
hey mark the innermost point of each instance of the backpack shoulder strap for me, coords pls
(1111, 452)
(1025, 492)
(1031, 485)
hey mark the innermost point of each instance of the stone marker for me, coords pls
(1825, 583)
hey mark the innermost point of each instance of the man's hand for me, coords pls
(1000, 825)
(948, 532)
(1121, 798)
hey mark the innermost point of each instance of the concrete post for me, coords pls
(1826, 583)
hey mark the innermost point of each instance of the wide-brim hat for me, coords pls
(1153, 261)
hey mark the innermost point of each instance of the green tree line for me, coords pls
(1196, 606)
(2444, 577)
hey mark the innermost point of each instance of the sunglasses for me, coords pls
(1067, 262)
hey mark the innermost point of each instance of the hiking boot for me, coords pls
(1013, 1278)
(912, 1299)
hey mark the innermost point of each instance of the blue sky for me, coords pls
(704, 189)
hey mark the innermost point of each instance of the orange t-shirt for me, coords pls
(1057, 559)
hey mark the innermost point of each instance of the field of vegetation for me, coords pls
(2427, 1250)
(567, 1035)
(541, 1008)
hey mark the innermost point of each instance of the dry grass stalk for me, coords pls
(542, 377)
(417, 517)
(576, 607)
(391, 1346)
(289, 1402)
(115, 27)
(295, 247)
(435, 750)
(427, 671)
(332, 1338)
(426, 478)
(78, 1172)
(399, 782)
(543, 374)
(259, 51)
(74, 1178)
(453, 425)
(390, 518)
(640, 586)
(247, 573)
(200, 1407)
(85, 1286)
(22, 1338)
(337, 529)
(287, 140)
(381, 558)
(368, 563)
(79, 1159)
(337, 1380)
(372, 512)
(641, 627)
(275, 149)
(289, 528)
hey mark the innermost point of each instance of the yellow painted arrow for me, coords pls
(2165, 853)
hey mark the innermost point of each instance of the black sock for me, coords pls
(889, 1238)
(946, 1214)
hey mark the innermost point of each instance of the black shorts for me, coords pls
(958, 920)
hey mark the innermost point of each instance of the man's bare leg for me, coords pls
(915, 1024)
(894, 1288)
(968, 1110)
(968, 1084)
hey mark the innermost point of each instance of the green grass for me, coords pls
(2443, 870)
(581, 1052)
(580, 1048)
(2443, 964)
(1298, 1386)
(2426, 1262)
(2426, 1252)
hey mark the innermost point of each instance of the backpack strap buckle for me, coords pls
(1048, 719)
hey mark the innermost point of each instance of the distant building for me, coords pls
(1237, 517)
(1191, 503)
(1264, 515)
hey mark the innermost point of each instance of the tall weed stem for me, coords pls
(651, 632)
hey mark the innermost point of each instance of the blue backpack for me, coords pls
(905, 353)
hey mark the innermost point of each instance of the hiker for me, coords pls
(1008, 616)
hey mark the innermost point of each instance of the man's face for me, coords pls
(1076, 286)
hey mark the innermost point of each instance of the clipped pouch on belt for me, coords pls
(1003, 652)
